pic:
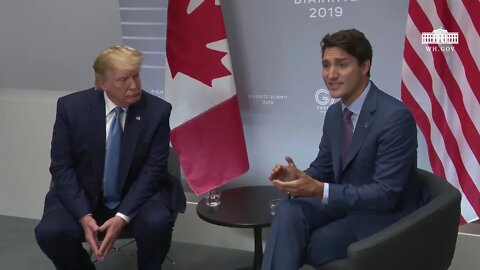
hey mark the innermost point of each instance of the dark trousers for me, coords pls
(60, 236)
(303, 230)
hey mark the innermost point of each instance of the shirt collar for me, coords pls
(109, 105)
(356, 105)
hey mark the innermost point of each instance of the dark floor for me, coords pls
(19, 251)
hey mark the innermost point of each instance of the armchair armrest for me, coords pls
(425, 239)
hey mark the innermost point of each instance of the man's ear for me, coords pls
(100, 84)
(365, 66)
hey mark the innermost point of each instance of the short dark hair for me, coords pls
(352, 41)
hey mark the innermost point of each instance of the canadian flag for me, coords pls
(207, 130)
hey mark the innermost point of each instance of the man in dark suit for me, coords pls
(363, 178)
(109, 154)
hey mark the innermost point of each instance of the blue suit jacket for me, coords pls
(78, 155)
(377, 183)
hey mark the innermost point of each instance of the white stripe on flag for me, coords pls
(465, 22)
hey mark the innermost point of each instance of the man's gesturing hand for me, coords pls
(90, 230)
(112, 229)
(284, 173)
(294, 181)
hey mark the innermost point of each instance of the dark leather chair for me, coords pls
(425, 239)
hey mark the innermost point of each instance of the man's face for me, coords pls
(343, 75)
(122, 86)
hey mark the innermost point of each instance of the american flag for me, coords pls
(441, 86)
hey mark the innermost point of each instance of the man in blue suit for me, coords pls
(363, 178)
(96, 191)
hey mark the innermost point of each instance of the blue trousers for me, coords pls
(60, 236)
(303, 231)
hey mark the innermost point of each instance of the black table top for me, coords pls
(242, 207)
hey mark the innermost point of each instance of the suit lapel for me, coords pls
(96, 118)
(131, 133)
(364, 124)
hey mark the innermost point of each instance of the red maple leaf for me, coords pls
(187, 37)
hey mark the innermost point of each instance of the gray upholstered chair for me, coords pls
(425, 239)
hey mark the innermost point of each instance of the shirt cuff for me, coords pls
(325, 193)
(124, 217)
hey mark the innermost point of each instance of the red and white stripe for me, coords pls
(442, 88)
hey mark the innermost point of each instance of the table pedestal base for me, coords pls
(258, 252)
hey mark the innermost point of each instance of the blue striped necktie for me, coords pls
(111, 192)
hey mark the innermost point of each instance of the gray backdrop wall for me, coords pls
(275, 47)
(47, 48)
(275, 50)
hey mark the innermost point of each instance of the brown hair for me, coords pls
(352, 41)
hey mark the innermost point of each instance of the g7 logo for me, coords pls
(323, 98)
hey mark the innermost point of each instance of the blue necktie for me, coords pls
(111, 192)
(347, 133)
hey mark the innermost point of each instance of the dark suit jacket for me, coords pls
(78, 155)
(377, 183)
